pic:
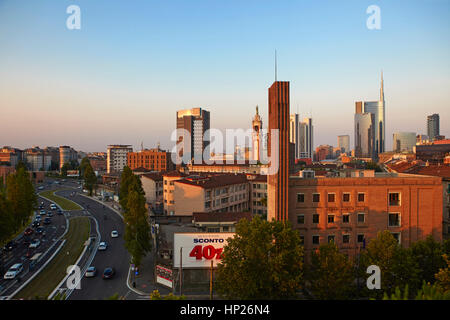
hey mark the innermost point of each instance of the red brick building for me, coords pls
(153, 160)
(351, 211)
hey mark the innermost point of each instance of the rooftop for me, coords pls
(220, 216)
(214, 181)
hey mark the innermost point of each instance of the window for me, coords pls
(345, 218)
(360, 238)
(346, 197)
(316, 197)
(225, 229)
(394, 220)
(345, 238)
(208, 204)
(315, 239)
(215, 230)
(300, 197)
(331, 238)
(394, 199)
(396, 235)
(331, 197)
(361, 197)
(301, 219)
(331, 218)
(315, 218)
(361, 217)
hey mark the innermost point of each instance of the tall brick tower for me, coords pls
(277, 189)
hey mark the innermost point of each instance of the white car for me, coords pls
(114, 234)
(34, 244)
(13, 271)
(90, 272)
(53, 206)
(102, 246)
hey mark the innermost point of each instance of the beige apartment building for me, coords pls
(211, 193)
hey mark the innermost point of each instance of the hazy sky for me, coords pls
(122, 76)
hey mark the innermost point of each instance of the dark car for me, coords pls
(10, 245)
(50, 214)
(60, 212)
(39, 230)
(108, 273)
(47, 220)
(36, 224)
(28, 231)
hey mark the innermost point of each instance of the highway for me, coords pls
(115, 256)
(22, 254)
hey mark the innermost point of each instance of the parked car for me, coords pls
(13, 271)
(34, 243)
(47, 220)
(53, 207)
(90, 272)
(108, 273)
(102, 246)
(28, 231)
(42, 212)
(114, 234)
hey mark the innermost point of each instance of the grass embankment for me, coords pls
(64, 203)
(41, 286)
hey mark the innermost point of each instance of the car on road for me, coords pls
(36, 224)
(41, 188)
(50, 214)
(114, 234)
(13, 271)
(42, 212)
(47, 220)
(10, 245)
(53, 206)
(59, 212)
(108, 273)
(39, 230)
(34, 243)
(102, 246)
(90, 272)
(28, 231)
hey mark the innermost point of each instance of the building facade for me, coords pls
(344, 143)
(192, 142)
(153, 159)
(364, 133)
(277, 189)
(256, 136)
(433, 126)
(116, 157)
(404, 141)
(351, 211)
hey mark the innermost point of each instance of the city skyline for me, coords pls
(218, 57)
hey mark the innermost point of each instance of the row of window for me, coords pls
(394, 197)
(393, 218)
(345, 238)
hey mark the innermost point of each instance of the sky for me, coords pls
(122, 76)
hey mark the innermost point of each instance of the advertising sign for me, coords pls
(199, 249)
(164, 276)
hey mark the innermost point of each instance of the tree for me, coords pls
(64, 168)
(137, 228)
(396, 264)
(330, 275)
(90, 179)
(22, 197)
(443, 276)
(84, 163)
(264, 260)
(428, 254)
(155, 295)
(6, 219)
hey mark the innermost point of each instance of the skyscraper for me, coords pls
(192, 144)
(364, 133)
(377, 108)
(404, 141)
(256, 135)
(277, 189)
(301, 134)
(433, 126)
(344, 143)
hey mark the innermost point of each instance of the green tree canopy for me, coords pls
(90, 179)
(330, 275)
(264, 260)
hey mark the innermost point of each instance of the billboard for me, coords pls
(164, 276)
(199, 249)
